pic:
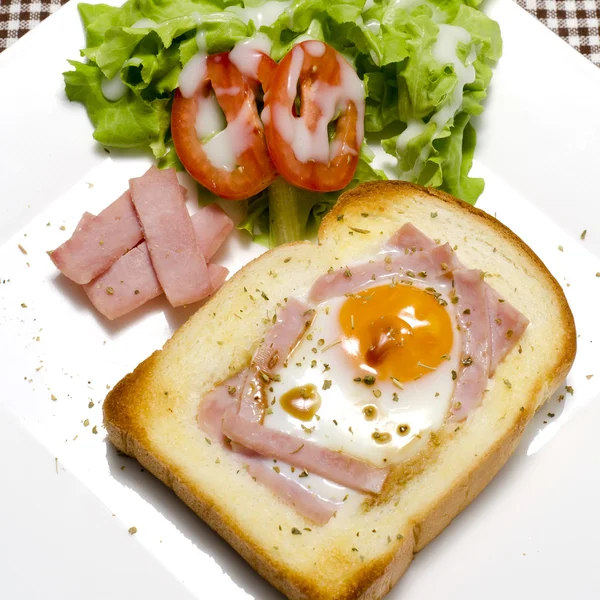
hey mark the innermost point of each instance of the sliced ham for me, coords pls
(211, 411)
(179, 265)
(217, 275)
(211, 226)
(253, 402)
(131, 281)
(335, 466)
(410, 239)
(95, 246)
(215, 404)
(291, 322)
(292, 492)
(434, 263)
(472, 317)
(507, 325)
(126, 285)
(86, 218)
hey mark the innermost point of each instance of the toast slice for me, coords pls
(151, 414)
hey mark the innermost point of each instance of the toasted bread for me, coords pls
(151, 414)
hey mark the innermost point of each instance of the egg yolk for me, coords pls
(396, 331)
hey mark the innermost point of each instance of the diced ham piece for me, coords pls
(293, 493)
(169, 233)
(131, 281)
(335, 466)
(126, 285)
(435, 262)
(94, 247)
(473, 319)
(292, 321)
(211, 226)
(410, 239)
(507, 325)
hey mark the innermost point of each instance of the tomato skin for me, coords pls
(316, 70)
(255, 170)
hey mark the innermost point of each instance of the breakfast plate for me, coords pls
(89, 522)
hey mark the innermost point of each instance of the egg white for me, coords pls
(322, 359)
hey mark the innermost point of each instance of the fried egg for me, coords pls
(374, 374)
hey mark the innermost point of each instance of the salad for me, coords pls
(201, 83)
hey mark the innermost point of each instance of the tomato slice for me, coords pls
(235, 162)
(330, 92)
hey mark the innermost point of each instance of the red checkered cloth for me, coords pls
(576, 21)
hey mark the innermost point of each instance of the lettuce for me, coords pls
(283, 213)
(425, 64)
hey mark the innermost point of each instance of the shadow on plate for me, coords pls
(175, 317)
(189, 524)
(512, 470)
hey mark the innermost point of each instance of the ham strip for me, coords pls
(128, 284)
(292, 321)
(131, 281)
(335, 466)
(410, 239)
(210, 415)
(215, 404)
(435, 262)
(217, 275)
(94, 247)
(291, 492)
(211, 226)
(169, 233)
(253, 403)
(507, 325)
(473, 319)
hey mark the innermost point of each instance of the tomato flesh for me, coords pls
(251, 169)
(330, 91)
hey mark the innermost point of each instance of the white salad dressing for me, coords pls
(368, 4)
(209, 118)
(264, 15)
(340, 422)
(445, 51)
(315, 49)
(246, 54)
(314, 144)
(234, 90)
(373, 25)
(144, 24)
(192, 74)
(201, 39)
(223, 149)
(113, 89)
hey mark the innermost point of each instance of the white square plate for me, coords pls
(68, 500)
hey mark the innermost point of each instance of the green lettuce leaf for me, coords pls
(284, 213)
(392, 45)
(127, 123)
